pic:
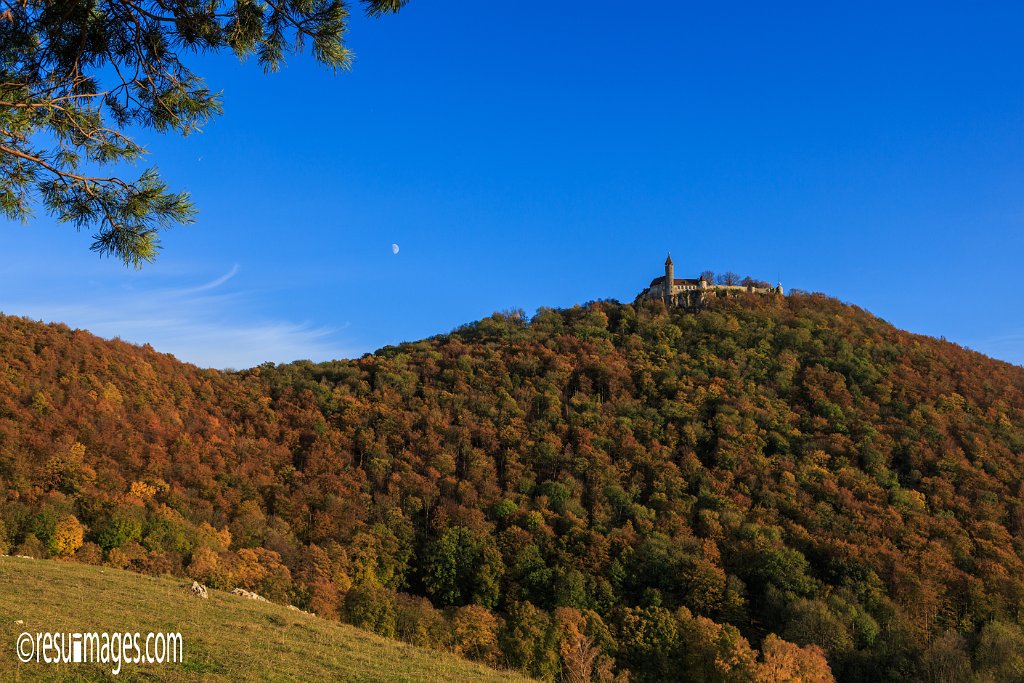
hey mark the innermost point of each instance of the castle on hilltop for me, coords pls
(692, 294)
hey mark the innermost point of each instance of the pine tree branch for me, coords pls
(64, 174)
(53, 57)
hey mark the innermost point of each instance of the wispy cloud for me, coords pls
(210, 324)
(215, 283)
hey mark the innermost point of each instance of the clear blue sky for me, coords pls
(527, 154)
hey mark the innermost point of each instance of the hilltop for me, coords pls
(737, 494)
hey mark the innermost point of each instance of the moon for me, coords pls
(394, 248)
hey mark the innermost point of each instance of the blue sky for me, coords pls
(545, 154)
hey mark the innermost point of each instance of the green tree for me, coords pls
(528, 641)
(120, 527)
(371, 607)
(77, 75)
(811, 622)
(463, 567)
(649, 640)
(1000, 652)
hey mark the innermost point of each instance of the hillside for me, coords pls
(225, 638)
(737, 494)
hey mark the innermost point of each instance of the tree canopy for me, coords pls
(77, 75)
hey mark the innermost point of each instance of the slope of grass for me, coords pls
(226, 638)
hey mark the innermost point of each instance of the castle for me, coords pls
(691, 293)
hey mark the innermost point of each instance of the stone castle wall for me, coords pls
(694, 296)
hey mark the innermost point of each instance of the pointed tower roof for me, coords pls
(668, 261)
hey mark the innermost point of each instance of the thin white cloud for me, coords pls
(215, 283)
(201, 324)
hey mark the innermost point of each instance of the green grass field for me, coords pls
(226, 638)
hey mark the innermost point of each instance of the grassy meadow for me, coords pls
(226, 638)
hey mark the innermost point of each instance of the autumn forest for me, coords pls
(775, 488)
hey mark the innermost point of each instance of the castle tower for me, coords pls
(670, 279)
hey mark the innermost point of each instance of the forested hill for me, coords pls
(728, 496)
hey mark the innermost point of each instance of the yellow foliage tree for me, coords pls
(67, 470)
(207, 568)
(786, 662)
(576, 648)
(261, 570)
(475, 630)
(67, 536)
(209, 537)
(142, 490)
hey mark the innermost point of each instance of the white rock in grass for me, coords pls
(248, 595)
